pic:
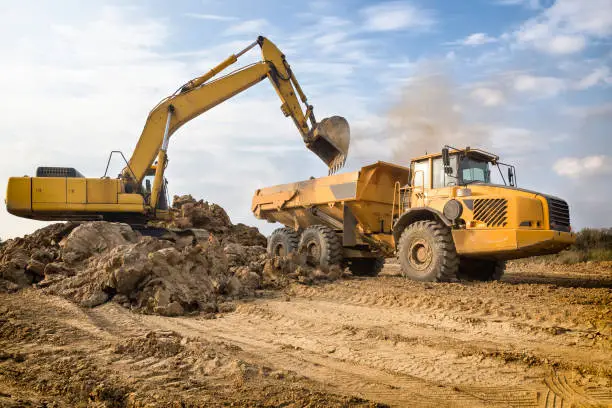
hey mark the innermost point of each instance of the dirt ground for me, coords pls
(539, 338)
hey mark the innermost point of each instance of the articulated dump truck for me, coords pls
(443, 218)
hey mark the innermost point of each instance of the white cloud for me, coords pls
(567, 26)
(254, 27)
(563, 44)
(599, 75)
(532, 4)
(397, 15)
(214, 17)
(575, 167)
(539, 86)
(331, 39)
(488, 96)
(591, 112)
(514, 140)
(477, 39)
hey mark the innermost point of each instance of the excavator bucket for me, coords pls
(331, 141)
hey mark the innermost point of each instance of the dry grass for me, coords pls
(592, 244)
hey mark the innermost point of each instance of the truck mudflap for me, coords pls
(510, 243)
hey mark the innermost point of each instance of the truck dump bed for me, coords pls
(362, 199)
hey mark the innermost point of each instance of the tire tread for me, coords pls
(330, 239)
(444, 242)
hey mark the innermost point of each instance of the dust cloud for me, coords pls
(431, 113)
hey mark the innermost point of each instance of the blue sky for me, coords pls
(528, 79)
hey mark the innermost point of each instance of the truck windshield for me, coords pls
(472, 170)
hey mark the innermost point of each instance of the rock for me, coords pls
(233, 286)
(36, 267)
(121, 299)
(249, 236)
(43, 255)
(227, 307)
(14, 273)
(171, 275)
(249, 279)
(94, 238)
(95, 299)
(8, 287)
(209, 307)
(58, 268)
(172, 309)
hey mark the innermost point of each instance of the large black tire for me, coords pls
(282, 242)
(321, 246)
(481, 269)
(365, 266)
(426, 252)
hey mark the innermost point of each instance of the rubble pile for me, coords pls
(187, 212)
(25, 260)
(96, 262)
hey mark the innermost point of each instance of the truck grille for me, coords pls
(558, 212)
(492, 211)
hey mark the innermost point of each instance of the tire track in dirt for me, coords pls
(467, 306)
(562, 393)
(309, 357)
(382, 346)
(337, 374)
(395, 341)
(554, 343)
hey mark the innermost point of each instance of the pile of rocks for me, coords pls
(96, 262)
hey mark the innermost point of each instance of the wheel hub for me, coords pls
(421, 254)
(313, 253)
(280, 250)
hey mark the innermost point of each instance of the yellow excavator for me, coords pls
(59, 193)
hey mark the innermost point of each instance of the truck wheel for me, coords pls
(426, 252)
(481, 269)
(282, 242)
(366, 266)
(321, 246)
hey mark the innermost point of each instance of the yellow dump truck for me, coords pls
(442, 217)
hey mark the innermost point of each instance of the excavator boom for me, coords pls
(329, 141)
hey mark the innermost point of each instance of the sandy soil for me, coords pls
(540, 338)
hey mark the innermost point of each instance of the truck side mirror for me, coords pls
(445, 157)
(510, 176)
(446, 161)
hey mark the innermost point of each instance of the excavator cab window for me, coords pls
(162, 203)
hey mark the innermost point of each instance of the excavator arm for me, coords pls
(328, 139)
